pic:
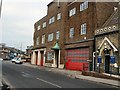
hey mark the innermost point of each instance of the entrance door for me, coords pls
(36, 57)
(57, 57)
(107, 63)
(42, 56)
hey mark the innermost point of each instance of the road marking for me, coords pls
(49, 83)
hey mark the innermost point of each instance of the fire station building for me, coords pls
(64, 38)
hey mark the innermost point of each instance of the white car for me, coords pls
(13, 60)
(1, 59)
(18, 61)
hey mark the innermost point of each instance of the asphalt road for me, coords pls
(20, 76)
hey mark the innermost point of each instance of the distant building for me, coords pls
(29, 53)
(8, 52)
(4, 52)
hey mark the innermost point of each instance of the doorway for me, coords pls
(42, 57)
(36, 57)
(107, 63)
(57, 57)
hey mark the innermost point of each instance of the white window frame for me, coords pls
(37, 40)
(84, 5)
(39, 27)
(57, 35)
(52, 20)
(44, 24)
(71, 33)
(50, 37)
(50, 55)
(58, 16)
(72, 12)
(43, 39)
(83, 29)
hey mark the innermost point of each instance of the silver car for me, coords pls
(18, 61)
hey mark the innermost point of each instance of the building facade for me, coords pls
(48, 32)
(28, 53)
(65, 36)
(4, 52)
(107, 45)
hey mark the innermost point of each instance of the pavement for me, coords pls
(77, 75)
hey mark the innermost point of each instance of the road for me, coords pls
(20, 76)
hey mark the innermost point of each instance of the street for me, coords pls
(20, 76)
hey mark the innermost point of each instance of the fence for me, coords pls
(110, 69)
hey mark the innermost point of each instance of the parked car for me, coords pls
(18, 61)
(23, 59)
(1, 59)
(13, 60)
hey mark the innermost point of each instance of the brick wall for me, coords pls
(95, 16)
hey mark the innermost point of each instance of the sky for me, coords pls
(17, 21)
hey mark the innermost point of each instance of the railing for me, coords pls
(112, 70)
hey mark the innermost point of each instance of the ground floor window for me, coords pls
(50, 55)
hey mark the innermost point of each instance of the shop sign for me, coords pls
(99, 59)
(112, 59)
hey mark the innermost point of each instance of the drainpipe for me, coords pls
(119, 36)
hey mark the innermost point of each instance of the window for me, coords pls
(71, 32)
(57, 35)
(72, 12)
(58, 16)
(52, 20)
(50, 55)
(84, 5)
(44, 24)
(38, 28)
(37, 40)
(83, 29)
(43, 39)
(50, 37)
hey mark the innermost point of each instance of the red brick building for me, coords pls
(70, 26)
(48, 31)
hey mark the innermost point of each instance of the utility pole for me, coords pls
(20, 49)
(21, 46)
(0, 8)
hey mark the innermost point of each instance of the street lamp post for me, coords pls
(0, 8)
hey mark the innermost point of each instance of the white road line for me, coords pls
(49, 83)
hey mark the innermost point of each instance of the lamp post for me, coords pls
(0, 8)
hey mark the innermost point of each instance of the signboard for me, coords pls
(112, 59)
(99, 59)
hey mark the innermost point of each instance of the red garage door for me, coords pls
(76, 59)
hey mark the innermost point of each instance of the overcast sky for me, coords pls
(18, 18)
